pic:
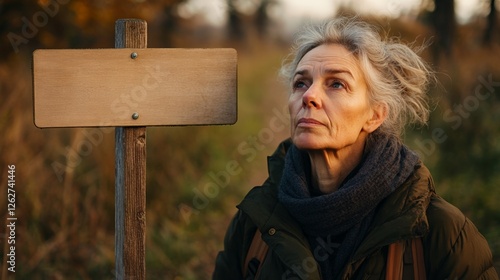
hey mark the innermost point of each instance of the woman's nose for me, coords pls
(311, 97)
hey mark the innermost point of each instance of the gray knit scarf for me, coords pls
(347, 213)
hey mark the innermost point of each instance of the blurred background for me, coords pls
(65, 177)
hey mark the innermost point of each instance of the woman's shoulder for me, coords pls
(444, 219)
(450, 229)
(444, 216)
(455, 246)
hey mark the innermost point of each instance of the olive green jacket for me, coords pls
(453, 247)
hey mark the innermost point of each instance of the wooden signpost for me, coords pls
(132, 87)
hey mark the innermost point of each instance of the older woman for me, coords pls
(344, 188)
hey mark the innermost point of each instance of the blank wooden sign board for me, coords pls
(106, 87)
(131, 87)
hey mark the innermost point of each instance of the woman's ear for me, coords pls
(379, 114)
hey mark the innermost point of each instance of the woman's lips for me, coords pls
(308, 122)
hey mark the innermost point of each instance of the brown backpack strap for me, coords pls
(394, 269)
(405, 260)
(418, 259)
(255, 256)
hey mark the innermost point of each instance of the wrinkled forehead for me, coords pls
(328, 57)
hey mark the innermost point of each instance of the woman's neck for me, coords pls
(329, 168)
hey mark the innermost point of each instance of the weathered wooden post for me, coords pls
(129, 88)
(130, 175)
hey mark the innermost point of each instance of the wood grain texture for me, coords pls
(104, 87)
(130, 195)
(130, 169)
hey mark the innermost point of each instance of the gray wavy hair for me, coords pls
(395, 75)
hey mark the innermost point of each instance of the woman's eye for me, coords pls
(337, 85)
(299, 85)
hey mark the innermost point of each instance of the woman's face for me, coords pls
(329, 106)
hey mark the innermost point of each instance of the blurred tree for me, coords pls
(234, 22)
(443, 20)
(262, 16)
(245, 15)
(169, 20)
(164, 14)
(491, 22)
